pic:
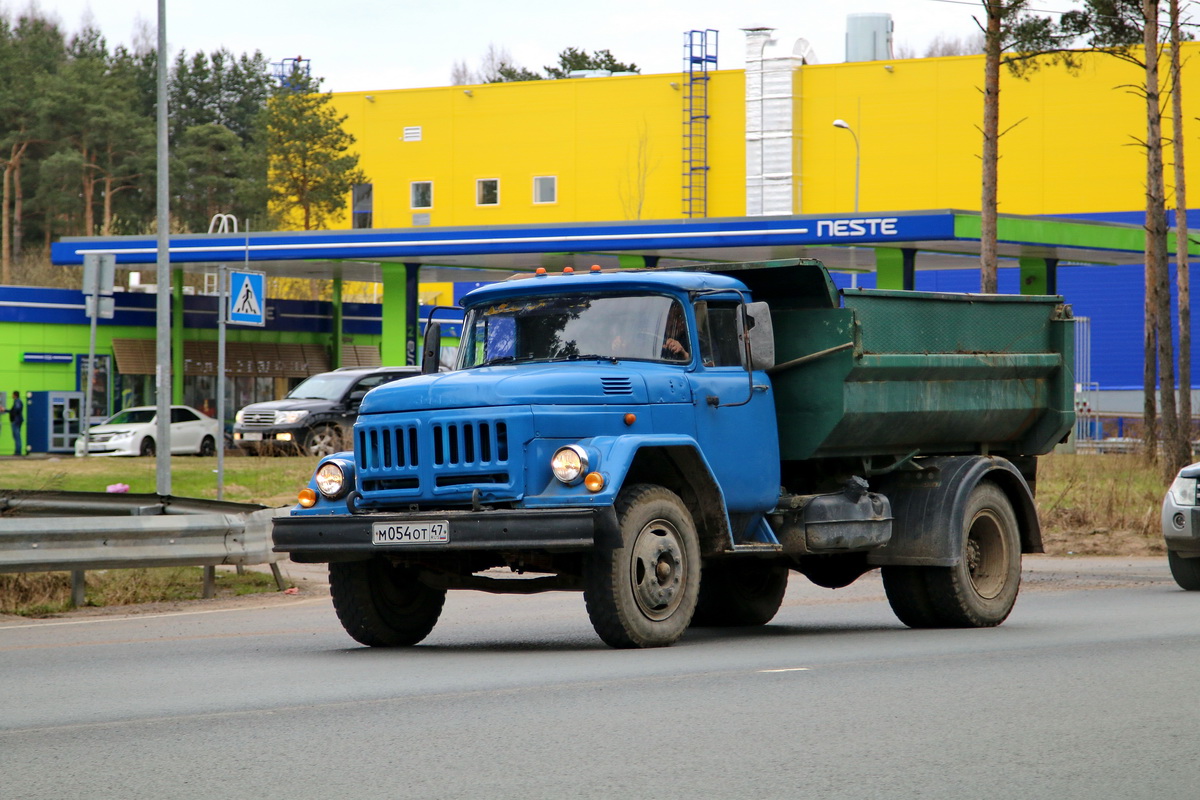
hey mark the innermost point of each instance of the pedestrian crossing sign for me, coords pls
(247, 298)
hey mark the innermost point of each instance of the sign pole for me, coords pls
(162, 369)
(85, 418)
(222, 312)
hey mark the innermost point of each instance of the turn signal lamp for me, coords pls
(630, 418)
(594, 481)
(308, 497)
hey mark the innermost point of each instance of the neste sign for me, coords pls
(853, 228)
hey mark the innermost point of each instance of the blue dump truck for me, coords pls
(673, 443)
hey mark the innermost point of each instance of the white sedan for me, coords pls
(131, 433)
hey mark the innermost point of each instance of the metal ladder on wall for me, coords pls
(699, 52)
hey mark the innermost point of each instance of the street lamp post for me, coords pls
(841, 123)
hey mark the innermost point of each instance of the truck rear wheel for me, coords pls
(980, 590)
(382, 605)
(740, 592)
(1185, 571)
(643, 593)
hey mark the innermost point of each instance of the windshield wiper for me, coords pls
(497, 360)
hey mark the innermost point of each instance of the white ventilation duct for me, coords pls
(770, 103)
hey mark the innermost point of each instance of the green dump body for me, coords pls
(920, 372)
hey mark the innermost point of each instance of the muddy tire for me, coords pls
(644, 592)
(740, 592)
(321, 441)
(908, 596)
(979, 591)
(381, 605)
(1185, 571)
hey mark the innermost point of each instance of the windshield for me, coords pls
(132, 416)
(569, 327)
(326, 386)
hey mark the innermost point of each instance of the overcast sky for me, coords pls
(371, 45)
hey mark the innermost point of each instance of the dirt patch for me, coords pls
(1101, 542)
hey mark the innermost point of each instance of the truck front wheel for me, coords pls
(980, 590)
(643, 593)
(382, 605)
(740, 592)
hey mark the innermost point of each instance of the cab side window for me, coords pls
(716, 323)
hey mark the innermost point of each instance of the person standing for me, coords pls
(16, 416)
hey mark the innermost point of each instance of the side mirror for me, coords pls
(754, 328)
(431, 349)
(356, 397)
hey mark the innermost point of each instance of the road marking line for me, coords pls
(789, 669)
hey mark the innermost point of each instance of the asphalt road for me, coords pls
(1088, 691)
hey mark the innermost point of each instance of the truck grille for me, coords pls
(260, 418)
(433, 460)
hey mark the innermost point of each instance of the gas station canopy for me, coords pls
(854, 243)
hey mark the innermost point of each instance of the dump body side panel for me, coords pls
(928, 372)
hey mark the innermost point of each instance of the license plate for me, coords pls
(251, 437)
(391, 533)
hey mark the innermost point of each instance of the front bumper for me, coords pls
(1181, 527)
(123, 447)
(266, 439)
(348, 537)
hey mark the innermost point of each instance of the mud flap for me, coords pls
(928, 506)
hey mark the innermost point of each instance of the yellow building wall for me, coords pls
(1070, 142)
(614, 144)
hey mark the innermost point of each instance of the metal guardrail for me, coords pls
(78, 531)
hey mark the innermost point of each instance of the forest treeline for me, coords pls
(77, 140)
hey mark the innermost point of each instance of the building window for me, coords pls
(545, 189)
(422, 194)
(487, 192)
(362, 206)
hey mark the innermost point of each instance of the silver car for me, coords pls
(1181, 528)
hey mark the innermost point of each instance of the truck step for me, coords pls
(756, 547)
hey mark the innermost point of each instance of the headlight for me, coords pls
(289, 417)
(569, 463)
(241, 412)
(120, 434)
(330, 480)
(1184, 491)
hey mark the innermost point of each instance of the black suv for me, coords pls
(314, 418)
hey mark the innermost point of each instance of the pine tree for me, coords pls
(311, 167)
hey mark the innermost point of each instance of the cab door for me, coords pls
(735, 416)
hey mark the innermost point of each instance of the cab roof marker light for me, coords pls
(595, 269)
(540, 272)
(568, 270)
